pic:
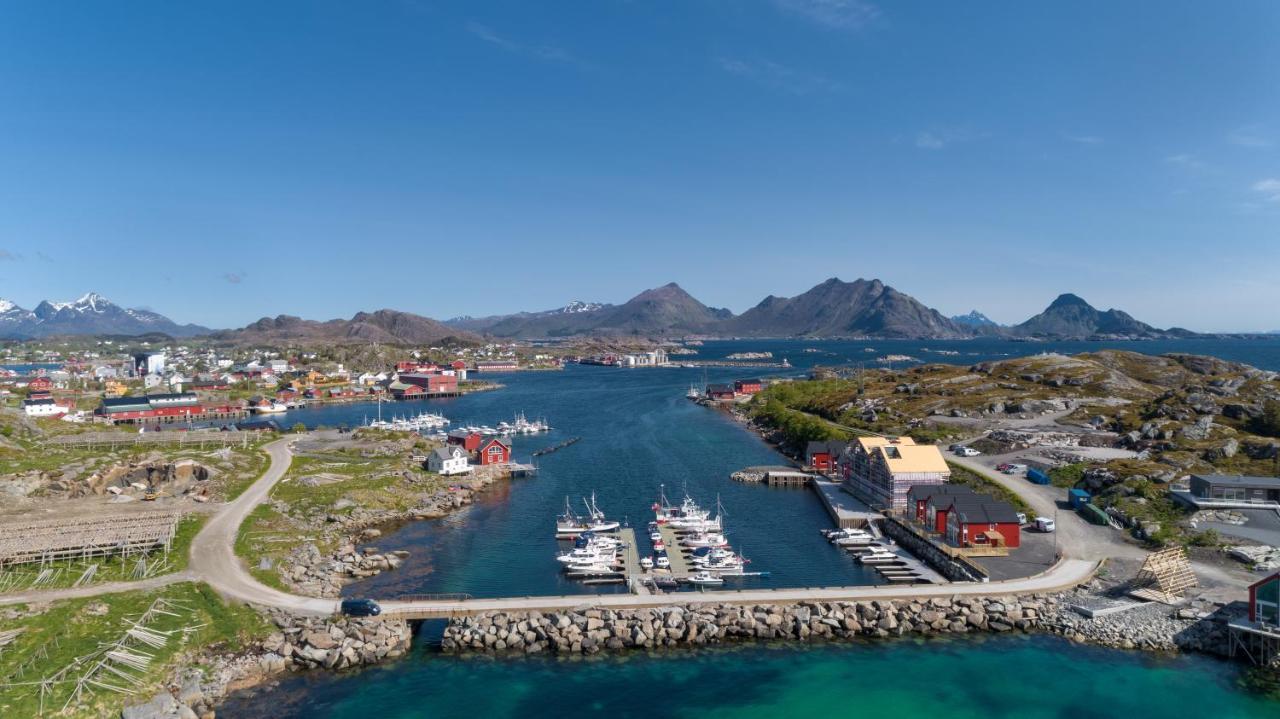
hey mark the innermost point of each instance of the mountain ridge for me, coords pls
(90, 314)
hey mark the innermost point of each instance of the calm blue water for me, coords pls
(639, 431)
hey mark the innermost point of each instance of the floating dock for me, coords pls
(680, 567)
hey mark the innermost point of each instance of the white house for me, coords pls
(448, 460)
(42, 408)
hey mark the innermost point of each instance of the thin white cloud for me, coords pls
(549, 53)
(834, 14)
(777, 76)
(1250, 136)
(1269, 188)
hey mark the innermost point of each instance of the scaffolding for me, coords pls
(83, 539)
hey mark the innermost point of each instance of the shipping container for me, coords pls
(1078, 498)
(1037, 476)
(1093, 514)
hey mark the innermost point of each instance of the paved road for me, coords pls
(1065, 574)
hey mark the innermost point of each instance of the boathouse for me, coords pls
(980, 521)
(720, 392)
(469, 441)
(747, 386)
(493, 450)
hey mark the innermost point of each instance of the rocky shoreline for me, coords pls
(298, 644)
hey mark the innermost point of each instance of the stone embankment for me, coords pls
(592, 630)
(311, 573)
(299, 644)
(1154, 627)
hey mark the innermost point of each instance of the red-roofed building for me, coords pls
(493, 451)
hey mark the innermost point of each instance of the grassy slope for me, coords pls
(55, 636)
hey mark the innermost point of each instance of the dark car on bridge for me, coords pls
(360, 608)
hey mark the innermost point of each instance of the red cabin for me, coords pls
(747, 386)
(1264, 601)
(494, 451)
(40, 384)
(822, 455)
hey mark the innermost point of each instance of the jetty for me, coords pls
(557, 447)
(847, 511)
(676, 553)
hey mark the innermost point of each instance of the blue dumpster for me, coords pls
(1037, 476)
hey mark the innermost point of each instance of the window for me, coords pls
(1268, 599)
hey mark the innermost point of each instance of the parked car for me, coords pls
(1022, 518)
(967, 452)
(1014, 468)
(1045, 524)
(1003, 467)
(360, 608)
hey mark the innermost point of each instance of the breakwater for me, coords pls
(592, 630)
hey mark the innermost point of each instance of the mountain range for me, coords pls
(833, 308)
(91, 314)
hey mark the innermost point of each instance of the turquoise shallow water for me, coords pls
(979, 678)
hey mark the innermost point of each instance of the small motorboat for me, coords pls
(662, 562)
(646, 562)
(705, 579)
(655, 536)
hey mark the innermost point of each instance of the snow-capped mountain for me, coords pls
(579, 306)
(91, 314)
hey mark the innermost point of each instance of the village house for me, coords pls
(881, 470)
(821, 456)
(720, 392)
(448, 460)
(747, 386)
(493, 450)
(978, 520)
(469, 441)
(433, 383)
(43, 407)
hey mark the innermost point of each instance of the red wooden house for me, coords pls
(822, 455)
(469, 441)
(981, 521)
(40, 384)
(493, 451)
(747, 386)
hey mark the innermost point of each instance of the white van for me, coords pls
(1045, 524)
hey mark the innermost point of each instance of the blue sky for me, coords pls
(223, 161)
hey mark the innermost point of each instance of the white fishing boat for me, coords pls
(878, 556)
(705, 579)
(646, 562)
(662, 563)
(705, 539)
(266, 407)
(570, 525)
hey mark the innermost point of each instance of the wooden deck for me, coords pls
(680, 567)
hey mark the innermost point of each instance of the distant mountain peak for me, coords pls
(974, 319)
(1067, 299)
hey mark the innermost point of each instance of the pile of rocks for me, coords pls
(1260, 557)
(1152, 627)
(310, 572)
(588, 631)
(300, 643)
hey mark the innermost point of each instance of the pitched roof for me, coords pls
(719, 388)
(831, 446)
(980, 509)
(913, 458)
(926, 491)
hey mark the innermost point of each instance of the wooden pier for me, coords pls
(680, 566)
(847, 511)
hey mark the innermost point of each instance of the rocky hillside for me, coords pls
(1070, 317)
(844, 309)
(660, 312)
(384, 326)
